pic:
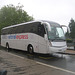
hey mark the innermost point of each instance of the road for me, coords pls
(21, 63)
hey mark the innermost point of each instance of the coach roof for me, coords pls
(41, 21)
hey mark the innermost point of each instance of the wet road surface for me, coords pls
(66, 62)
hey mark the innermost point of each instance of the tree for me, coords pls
(72, 28)
(10, 15)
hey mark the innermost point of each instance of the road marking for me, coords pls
(56, 68)
(46, 57)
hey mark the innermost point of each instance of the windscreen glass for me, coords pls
(55, 33)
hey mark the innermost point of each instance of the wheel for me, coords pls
(7, 46)
(74, 47)
(30, 49)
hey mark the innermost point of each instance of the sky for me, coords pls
(60, 11)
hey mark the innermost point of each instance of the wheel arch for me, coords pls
(29, 45)
(7, 43)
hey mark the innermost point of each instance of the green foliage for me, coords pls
(67, 35)
(10, 15)
(69, 40)
(72, 28)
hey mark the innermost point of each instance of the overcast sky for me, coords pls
(60, 11)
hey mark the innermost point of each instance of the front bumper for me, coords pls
(56, 49)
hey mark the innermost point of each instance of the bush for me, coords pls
(69, 40)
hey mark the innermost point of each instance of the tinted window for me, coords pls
(35, 27)
(31, 27)
(41, 30)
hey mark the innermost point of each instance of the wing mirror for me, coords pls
(66, 27)
(48, 25)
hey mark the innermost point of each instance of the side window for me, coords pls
(34, 28)
(18, 29)
(13, 30)
(9, 31)
(3, 31)
(41, 30)
(31, 28)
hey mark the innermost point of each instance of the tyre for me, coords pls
(7, 47)
(30, 49)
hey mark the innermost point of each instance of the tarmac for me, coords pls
(16, 65)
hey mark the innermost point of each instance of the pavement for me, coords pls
(70, 51)
(17, 65)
